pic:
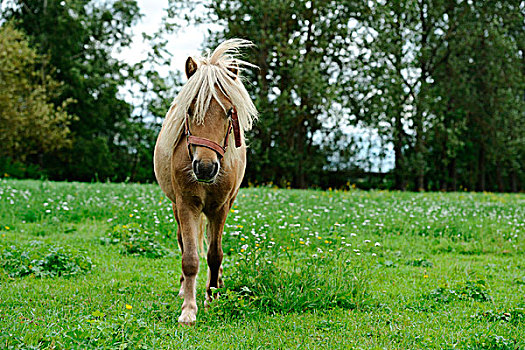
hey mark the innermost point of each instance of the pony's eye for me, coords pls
(229, 114)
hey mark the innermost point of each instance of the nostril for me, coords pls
(215, 169)
(195, 165)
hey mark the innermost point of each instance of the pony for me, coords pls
(200, 159)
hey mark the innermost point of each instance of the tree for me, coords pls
(479, 94)
(443, 79)
(80, 37)
(30, 124)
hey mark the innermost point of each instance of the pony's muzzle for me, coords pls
(205, 171)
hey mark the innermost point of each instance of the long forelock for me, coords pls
(214, 72)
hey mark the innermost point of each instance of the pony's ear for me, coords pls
(235, 70)
(191, 67)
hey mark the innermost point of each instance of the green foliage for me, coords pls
(30, 123)
(470, 290)
(265, 281)
(80, 39)
(19, 170)
(39, 260)
(514, 316)
(134, 240)
(491, 342)
(420, 262)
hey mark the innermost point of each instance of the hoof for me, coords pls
(187, 318)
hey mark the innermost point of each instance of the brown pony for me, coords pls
(200, 158)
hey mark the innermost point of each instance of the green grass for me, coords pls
(97, 266)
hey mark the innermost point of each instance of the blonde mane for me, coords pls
(214, 70)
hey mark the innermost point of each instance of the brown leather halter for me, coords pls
(214, 146)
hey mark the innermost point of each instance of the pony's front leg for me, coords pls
(216, 222)
(189, 221)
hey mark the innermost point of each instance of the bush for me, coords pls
(11, 168)
(258, 282)
(491, 342)
(40, 260)
(470, 290)
(513, 316)
(134, 240)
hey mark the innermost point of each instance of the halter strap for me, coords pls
(214, 146)
(236, 128)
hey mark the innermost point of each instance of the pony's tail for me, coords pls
(201, 236)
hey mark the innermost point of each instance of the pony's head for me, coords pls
(208, 107)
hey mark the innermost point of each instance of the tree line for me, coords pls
(440, 82)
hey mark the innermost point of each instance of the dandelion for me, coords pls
(129, 307)
(7, 227)
(130, 215)
(425, 276)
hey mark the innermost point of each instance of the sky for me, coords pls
(186, 42)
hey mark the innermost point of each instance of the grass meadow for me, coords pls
(97, 266)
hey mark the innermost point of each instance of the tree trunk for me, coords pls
(499, 178)
(399, 161)
(514, 181)
(452, 174)
(481, 169)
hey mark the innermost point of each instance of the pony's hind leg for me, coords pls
(189, 220)
(216, 222)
